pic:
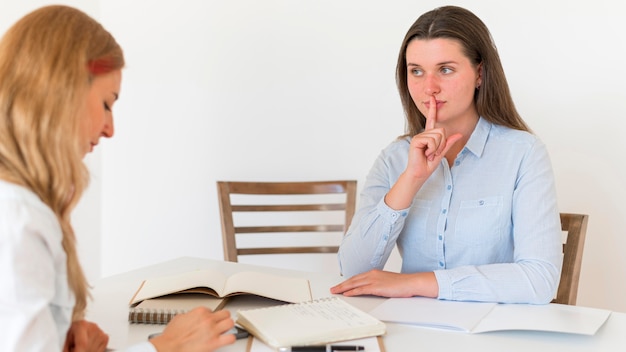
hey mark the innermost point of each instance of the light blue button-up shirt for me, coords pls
(488, 227)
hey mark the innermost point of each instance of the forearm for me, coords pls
(370, 240)
(401, 194)
(526, 282)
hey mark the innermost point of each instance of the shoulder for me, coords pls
(502, 134)
(400, 144)
(395, 152)
(21, 210)
(513, 144)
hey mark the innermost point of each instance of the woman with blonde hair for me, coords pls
(60, 75)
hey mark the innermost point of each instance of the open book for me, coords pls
(170, 295)
(317, 322)
(477, 317)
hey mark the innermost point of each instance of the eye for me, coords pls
(446, 70)
(417, 72)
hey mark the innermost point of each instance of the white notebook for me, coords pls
(475, 317)
(315, 322)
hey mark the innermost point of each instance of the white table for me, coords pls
(109, 310)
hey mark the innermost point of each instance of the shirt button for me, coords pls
(444, 211)
(441, 264)
(404, 213)
(449, 187)
(482, 202)
(440, 237)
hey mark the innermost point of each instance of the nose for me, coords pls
(431, 85)
(109, 128)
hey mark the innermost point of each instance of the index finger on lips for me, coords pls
(432, 113)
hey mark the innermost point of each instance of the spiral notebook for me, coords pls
(316, 322)
(161, 310)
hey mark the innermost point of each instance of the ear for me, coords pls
(479, 79)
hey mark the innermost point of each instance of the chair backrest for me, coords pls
(316, 195)
(576, 227)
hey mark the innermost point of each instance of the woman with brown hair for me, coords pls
(60, 75)
(468, 194)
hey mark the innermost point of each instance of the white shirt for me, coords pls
(36, 302)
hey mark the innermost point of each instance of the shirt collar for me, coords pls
(478, 139)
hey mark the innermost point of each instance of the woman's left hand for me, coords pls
(389, 284)
(85, 336)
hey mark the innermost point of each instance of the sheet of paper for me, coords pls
(475, 317)
(431, 312)
(549, 317)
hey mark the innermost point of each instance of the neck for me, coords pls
(465, 129)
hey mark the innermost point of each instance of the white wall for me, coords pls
(295, 90)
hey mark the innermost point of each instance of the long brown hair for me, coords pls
(47, 62)
(493, 100)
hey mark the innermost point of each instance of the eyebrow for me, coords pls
(438, 64)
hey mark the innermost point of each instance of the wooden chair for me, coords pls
(576, 227)
(316, 194)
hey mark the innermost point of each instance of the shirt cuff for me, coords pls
(444, 281)
(392, 215)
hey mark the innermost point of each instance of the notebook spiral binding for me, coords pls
(152, 316)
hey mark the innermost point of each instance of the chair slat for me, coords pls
(287, 250)
(292, 228)
(290, 207)
(228, 208)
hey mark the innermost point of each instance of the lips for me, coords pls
(439, 104)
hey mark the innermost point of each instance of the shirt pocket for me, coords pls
(419, 217)
(480, 221)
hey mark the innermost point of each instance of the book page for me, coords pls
(212, 280)
(282, 288)
(182, 302)
(430, 312)
(317, 322)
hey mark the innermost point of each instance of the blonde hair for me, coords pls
(47, 62)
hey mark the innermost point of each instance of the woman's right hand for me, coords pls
(425, 154)
(198, 330)
(429, 147)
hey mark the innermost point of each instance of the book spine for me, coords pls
(152, 316)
